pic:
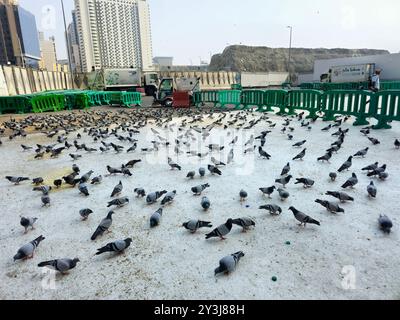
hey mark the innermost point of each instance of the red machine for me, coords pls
(181, 99)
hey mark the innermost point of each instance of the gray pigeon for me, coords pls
(302, 217)
(83, 189)
(371, 167)
(230, 156)
(371, 189)
(272, 208)
(140, 192)
(343, 197)
(351, 182)
(299, 144)
(361, 153)
(228, 264)
(173, 165)
(169, 197)
(197, 190)
(191, 174)
(301, 155)
(283, 194)
(104, 225)
(45, 200)
(284, 180)
(194, 225)
(346, 165)
(385, 223)
(245, 223)
(331, 207)
(97, 180)
(155, 218)
(205, 203)
(44, 189)
(285, 169)
(307, 183)
(120, 202)
(16, 180)
(154, 196)
(117, 189)
(243, 195)
(116, 246)
(221, 231)
(27, 222)
(214, 170)
(202, 172)
(217, 163)
(267, 191)
(85, 178)
(61, 265)
(27, 250)
(84, 213)
(333, 176)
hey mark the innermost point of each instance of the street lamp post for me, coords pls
(290, 52)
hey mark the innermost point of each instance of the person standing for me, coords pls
(375, 85)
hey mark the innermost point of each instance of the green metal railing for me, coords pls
(202, 97)
(274, 98)
(229, 97)
(387, 108)
(252, 98)
(309, 100)
(48, 102)
(17, 104)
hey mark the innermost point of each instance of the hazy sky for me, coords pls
(192, 29)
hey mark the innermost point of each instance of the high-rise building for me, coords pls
(73, 41)
(114, 34)
(48, 52)
(19, 42)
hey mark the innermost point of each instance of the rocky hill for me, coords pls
(263, 59)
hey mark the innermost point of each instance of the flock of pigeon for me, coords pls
(101, 126)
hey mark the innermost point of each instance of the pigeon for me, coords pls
(371, 167)
(26, 148)
(397, 144)
(120, 202)
(383, 175)
(346, 165)
(377, 171)
(104, 225)
(303, 218)
(351, 182)
(85, 178)
(169, 197)
(272, 208)
(140, 192)
(216, 162)
(155, 218)
(301, 155)
(197, 190)
(75, 156)
(37, 181)
(117, 190)
(371, 189)
(343, 197)
(57, 183)
(243, 195)
(228, 264)
(307, 183)
(374, 141)
(263, 154)
(45, 200)
(286, 169)
(284, 180)
(333, 176)
(44, 189)
(221, 231)
(267, 191)
(194, 225)
(283, 194)
(116, 246)
(113, 170)
(133, 148)
(132, 163)
(97, 180)
(230, 156)
(16, 180)
(154, 196)
(326, 157)
(385, 223)
(327, 128)
(84, 213)
(27, 222)
(191, 174)
(205, 203)
(214, 170)
(331, 207)
(61, 265)
(173, 165)
(299, 144)
(83, 189)
(202, 172)
(245, 223)
(361, 153)
(27, 250)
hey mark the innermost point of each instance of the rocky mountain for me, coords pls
(263, 59)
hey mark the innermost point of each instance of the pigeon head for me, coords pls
(75, 260)
(291, 209)
(239, 254)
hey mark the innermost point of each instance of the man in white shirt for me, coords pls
(376, 84)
